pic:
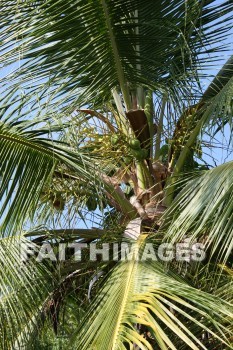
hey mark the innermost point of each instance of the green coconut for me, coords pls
(134, 144)
(127, 160)
(114, 139)
(140, 154)
(91, 204)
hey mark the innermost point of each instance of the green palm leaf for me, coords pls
(207, 216)
(27, 163)
(23, 288)
(74, 48)
(140, 294)
(214, 113)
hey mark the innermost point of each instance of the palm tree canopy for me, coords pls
(80, 50)
(103, 110)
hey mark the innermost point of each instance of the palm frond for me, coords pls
(139, 295)
(23, 288)
(203, 210)
(81, 50)
(27, 163)
(214, 110)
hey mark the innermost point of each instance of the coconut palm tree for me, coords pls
(104, 119)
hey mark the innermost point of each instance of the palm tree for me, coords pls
(103, 115)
